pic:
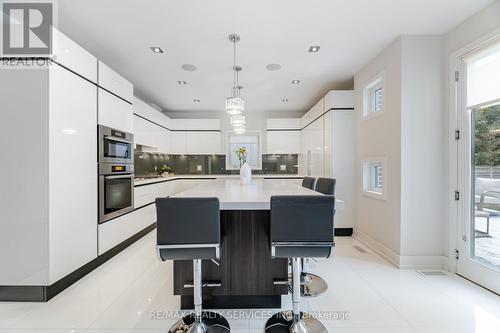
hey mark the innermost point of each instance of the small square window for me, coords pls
(373, 99)
(374, 177)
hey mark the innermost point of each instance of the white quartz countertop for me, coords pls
(176, 177)
(254, 196)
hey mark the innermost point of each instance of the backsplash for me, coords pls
(149, 164)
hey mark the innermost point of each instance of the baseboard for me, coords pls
(378, 247)
(423, 262)
(45, 293)
(343, 232)
(402, 262)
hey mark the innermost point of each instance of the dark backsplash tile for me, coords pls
(149, 164)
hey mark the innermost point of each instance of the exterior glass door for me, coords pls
(479, 166)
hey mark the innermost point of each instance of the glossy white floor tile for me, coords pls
(370, 294)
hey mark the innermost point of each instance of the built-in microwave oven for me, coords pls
(115, 146)
(116, 190)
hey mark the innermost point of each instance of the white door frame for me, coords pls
(458, 173)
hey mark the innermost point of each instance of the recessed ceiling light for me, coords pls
(182, 82)
(196, 100)
(156, 49)
(284, 100)
(189, 67)
(295, 81)
(314, 48)
(273, 67)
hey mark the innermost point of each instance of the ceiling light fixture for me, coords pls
(235, 105)
(273, 67)
(156, 49)
(182, 82)
(295, 81)
(314, 49)
(237, 120)
(284, 100)
(239, 129)
(189, 67)
(196, 100)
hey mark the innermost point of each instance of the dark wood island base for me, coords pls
(246, 274)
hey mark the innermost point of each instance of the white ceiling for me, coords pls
(121, 32)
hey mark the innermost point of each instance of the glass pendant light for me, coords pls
(237, 120)
(239, 129)
(235, 105)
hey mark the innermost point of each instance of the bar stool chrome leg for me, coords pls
(200, 321)
(294, 321)
(311, 285)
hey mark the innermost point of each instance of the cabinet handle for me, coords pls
(190, 284)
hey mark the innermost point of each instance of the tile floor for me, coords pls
(121, 295)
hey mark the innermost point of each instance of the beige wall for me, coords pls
(381, 137)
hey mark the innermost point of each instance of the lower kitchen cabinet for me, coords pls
(115, 231)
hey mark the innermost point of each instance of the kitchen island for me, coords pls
(246, 276)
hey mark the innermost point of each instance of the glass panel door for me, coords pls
(478, 108)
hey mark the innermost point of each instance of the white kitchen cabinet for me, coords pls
(178, 143)
(146, 194)
(115, 112)
(164, 140)
(202, 124)
(72, 56)
(283, 123)
(49, 192)
(314, 149)
(145, 132)
(115, 83)
(282, 142)
(72, 172)
(115, 231)
(203, 142)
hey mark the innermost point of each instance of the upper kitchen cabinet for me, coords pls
(203, 142)
(115, 112)
(69, 54)
(146, 133)
(178, 143)
(115, 83)
(339, 100)
(283, 136)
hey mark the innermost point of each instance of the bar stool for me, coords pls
(301, 227)
(314, 285)
(189, 229)
(308, 182)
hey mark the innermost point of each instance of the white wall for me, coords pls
(408, 226)
(422, 164)
(380, 220)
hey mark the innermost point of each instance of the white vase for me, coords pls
(245, 174)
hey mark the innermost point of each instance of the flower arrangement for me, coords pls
(165, 169)
(242, 155)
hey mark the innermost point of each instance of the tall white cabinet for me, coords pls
(327, 148)
(49, 193)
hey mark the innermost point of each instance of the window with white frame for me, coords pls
(373, 97)
(374, 177)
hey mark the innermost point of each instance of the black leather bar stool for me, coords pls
(314, 285)
(301, 227)
(189, 229)
(308, 182)
(325, 186)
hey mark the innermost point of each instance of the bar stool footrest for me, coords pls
(282, 321)
(211, 322)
